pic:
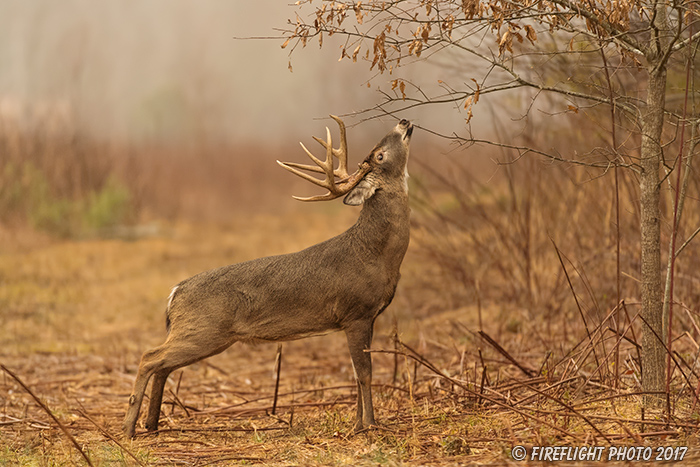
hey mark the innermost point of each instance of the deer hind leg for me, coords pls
(359, 339)
(161, 361)
(151, 361)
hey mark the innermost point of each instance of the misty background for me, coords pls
(115, 113)
(179, 70)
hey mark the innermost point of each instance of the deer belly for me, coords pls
(285, 325)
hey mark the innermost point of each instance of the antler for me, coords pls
(335, 188)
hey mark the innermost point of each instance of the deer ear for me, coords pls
(361, 193)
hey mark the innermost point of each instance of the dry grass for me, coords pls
(77, 315)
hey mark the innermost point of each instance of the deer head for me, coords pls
(385, 163)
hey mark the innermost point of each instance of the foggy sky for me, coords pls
(177, 70)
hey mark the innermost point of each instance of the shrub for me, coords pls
(25, 193)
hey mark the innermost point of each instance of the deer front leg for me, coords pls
(159, 380)
(359, 338)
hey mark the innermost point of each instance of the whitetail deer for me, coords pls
(341, 284)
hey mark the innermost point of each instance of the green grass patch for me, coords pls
(27, 194)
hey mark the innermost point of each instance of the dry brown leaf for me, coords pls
(358, 12)
(468, 102)
(530, 33)
(354, 54)
(506, 42)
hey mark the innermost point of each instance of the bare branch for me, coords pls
(685, 42)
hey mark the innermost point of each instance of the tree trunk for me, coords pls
(653, 353)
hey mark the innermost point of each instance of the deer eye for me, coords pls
(380, 156)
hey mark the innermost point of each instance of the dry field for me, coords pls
(505, 330)
(77, 314)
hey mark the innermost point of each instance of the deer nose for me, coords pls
(406, 127)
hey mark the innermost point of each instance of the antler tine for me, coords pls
(335, 189)
(310, 168)
(290, 166)
(324, 165)
(342, 152)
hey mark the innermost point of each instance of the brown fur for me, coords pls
(343, 283)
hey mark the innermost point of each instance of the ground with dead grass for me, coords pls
(453, 385)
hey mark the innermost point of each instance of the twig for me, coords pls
(177, 391)
(84, 413)
(213, 429)
(179, 403)
(673, 359)
(578, 304)
(607, 356)
(290, 393)
(623, 336)
(244, 410)
(49, 413)
(553, 386)
(690, 239)
(680, 193)
(617, 205)
(395, 340)
(544, 362)
(278, 368)
(420, 359)
(571, 409)
(503, 352)
(483, 378)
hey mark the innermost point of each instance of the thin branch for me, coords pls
(621, 37)
(106, 433)
(49, 413)
(524, 82)
(690, 239)
(420, 359)
(685, 42)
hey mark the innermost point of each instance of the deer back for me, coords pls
(325, 287)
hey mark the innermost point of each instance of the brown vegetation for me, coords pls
(506, 329)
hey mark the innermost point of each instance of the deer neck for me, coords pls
(383, 226)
